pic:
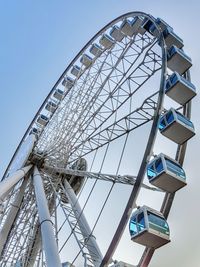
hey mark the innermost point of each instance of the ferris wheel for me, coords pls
(74, 186)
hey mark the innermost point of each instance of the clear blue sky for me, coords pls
(40, 38)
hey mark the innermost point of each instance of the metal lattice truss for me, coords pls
(109, 99)
(93, 110)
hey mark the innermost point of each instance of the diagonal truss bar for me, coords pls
(128, 123)
(87, 250)
(123, 179)
(89, 239)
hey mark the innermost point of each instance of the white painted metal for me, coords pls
(106, 41)
(123, 179)
(58, 94)
(12, 215)
(116, 33)
(48, 239)
(86, 109)
(181, 90)
(51, 106)
(76, 70)
(90, 240)
(42, 120)
(86, 60)
(96, 50)
(178, 60)
(10, 181)
(68, 82)
(23, 154)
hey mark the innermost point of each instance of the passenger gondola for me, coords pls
(148, 227)
(68, 82)
(58, 94)
(179, 89)
(166, 174)
(177, 60)
(176, 126)
(42, 120)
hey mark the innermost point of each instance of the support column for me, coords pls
(90, 240)
(48, 239)
(10, 181)
(10, 219)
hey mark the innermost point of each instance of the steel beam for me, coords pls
(90, 241)
(122, 179)
(46, 225)
(10, 181)
(15, 206)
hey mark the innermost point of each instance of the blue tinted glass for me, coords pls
(185, 120)
(159, 165)
(148, 25)
(158, 223)
(133, 227)
(175, 168)
(172, 51)
(174, 78)
(60, 91)
(150, 172)
(168, 85)
(169, 117)
(141, 222)
(162, 123)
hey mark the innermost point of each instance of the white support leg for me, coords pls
(48, 239)
(35, 244)
(90, 240)
(10, 181)
(15, 206)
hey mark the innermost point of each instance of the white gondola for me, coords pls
(116, 33)
(76, 70)
(96, 50)
(176, 126)
(51, 106)
(34, 131)
(68, 82)
(106, 41)
(86, 60)
(171, 38)
(166, 174)
(137, 25)
(42, 120)
(58, 94)
(149, 25)
(130, 28)
(126, 28)
(177, 60)
(148, 227)
(179, 89)
(162, 24)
